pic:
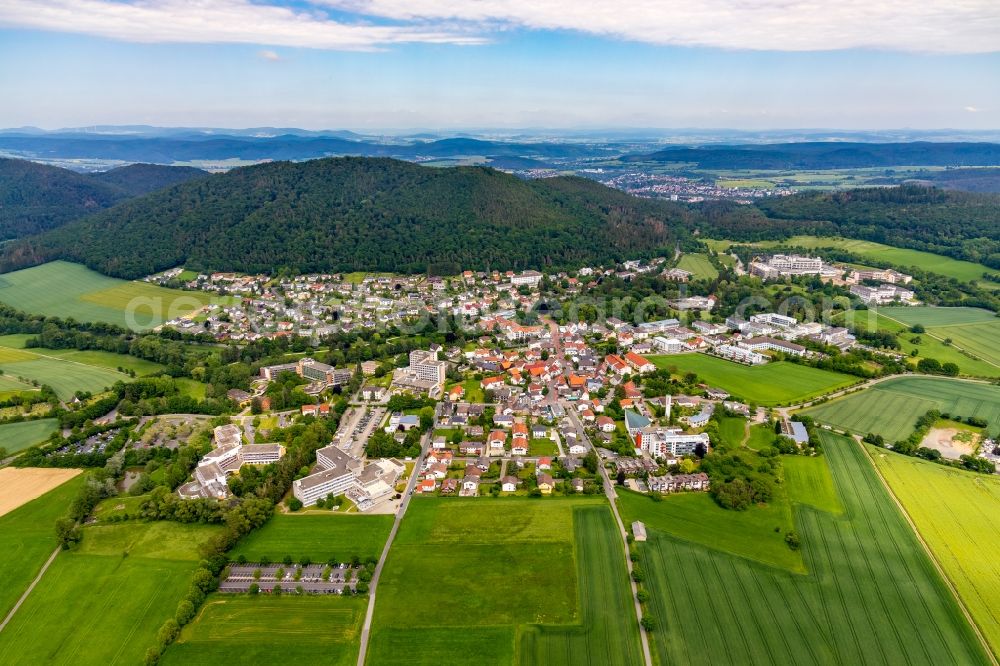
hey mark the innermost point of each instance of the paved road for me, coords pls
(31, 587)
(609, 491)
(407, 494)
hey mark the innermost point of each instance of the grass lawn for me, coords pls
(761, 435)
(18, 436)
(461, 558)
(892, 407)
(871, 595)
(732, 429)
(27, 538)
(191, 387)
(696, 518)
(699, 265)
(240, 629)
(958, 515)
(542, 447)
(318, 536)
(64, 289)
(774, 383)
(808, 481)
(97, 606)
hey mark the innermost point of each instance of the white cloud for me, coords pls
(214, 21)
(941, 26)
(269, 55)
(972, 109)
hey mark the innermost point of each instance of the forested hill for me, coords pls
(138, 179)
(963, 225)
(36, 197)
(829, 155)
(344, 214)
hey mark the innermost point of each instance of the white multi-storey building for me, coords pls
(661, 442)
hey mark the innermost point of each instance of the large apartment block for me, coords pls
(343, 474)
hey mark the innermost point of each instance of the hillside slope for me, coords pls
(361, 214)
(35, 197)
(139, 179)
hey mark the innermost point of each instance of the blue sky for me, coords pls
(377, 64)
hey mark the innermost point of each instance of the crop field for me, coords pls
(68, 371)
(607, 633)
(871, 595)
(958, 515)
(27, 538)
(63, 289)
(16, 437)
(892, 407)
(809, 482)
(927, 346)
(696, 518)
(318, 536)
(774, 383)
(491, 570)
(972, 329)
(271, 630)
(21, 485)
(699, 265)
(103, 603)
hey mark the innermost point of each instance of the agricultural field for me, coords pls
(21, 485)
(697, 519)
(63, 289)
(808, 481)
(775, 383)
(974, 330)
(965, 271)
(891, 408)
(871, 594)
(104, 602)
(699, 265)
(27, 538)
(67, 370)
(964, 542)
(927, 346)
(493, 569)
(240, 629)
(318, 536)
(16, 437)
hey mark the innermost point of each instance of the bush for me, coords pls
(647, 623)
(792, 539)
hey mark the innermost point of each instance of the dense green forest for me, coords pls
(138, 179)
(363, 214)
(962, 225)
(828, 155)
(36, 197)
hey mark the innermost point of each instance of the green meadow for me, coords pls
(63, 289)
(28, 537)
(67, 370)
(974, 330)
(892, 407)
(774, 383)
(318, 536)
(870, 594)
(480, 581)
(104, 602)
(16, 437)
(699, 265)
(242, 629)
(958, 515)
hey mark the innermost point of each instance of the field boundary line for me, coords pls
(31, 587)
(930, 554)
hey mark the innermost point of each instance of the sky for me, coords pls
(454, 64)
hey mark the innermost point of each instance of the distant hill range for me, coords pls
(342, 214)
(828, 155)
(35, 197)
